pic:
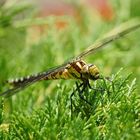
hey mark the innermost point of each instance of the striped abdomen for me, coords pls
(74, 70)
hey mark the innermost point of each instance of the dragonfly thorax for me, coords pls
(90, 71)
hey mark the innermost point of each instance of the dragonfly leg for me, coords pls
(97, 89)
(85, 85)
(73, 95)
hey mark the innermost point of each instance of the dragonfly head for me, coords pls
(90, 71)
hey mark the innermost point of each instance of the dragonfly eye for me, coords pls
(93, 72)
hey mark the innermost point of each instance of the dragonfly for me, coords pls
(76, 68)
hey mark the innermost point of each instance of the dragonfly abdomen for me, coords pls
(22, 80)
(74, 70)
(62, 74)
(70, 71)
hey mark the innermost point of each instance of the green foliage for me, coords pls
(42, 111)
(113, 115)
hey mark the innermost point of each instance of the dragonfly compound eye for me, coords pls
(93, 72)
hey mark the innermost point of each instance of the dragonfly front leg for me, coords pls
(96, 89)
(100, 89)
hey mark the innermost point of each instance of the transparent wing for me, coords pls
(112, 36)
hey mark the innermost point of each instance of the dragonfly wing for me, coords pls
(114, 35)
(12, 91)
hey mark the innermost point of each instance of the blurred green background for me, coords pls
(34, 38)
